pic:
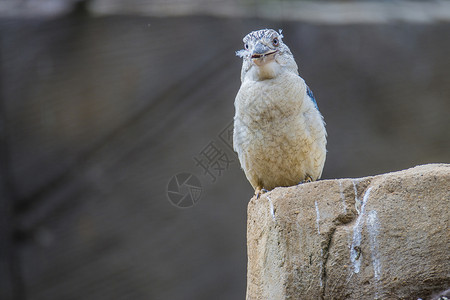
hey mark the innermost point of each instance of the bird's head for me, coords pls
(265, 55)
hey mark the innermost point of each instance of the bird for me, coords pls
(279, 133)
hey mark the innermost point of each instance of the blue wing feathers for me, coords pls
(311, 95)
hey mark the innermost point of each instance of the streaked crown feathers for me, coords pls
(264, 36)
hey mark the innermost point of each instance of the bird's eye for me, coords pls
(246, 46)
(275, 42)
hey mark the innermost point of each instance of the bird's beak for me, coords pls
(261, 51)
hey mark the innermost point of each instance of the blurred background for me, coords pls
(117, 177)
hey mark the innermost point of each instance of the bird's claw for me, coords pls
(259, 191)
(306, 180)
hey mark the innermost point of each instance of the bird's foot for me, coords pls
(306, 180)
(259, 191)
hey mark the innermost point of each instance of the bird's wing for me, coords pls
(311, 96)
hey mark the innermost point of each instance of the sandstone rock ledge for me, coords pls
(380, 237)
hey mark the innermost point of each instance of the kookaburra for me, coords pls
(279, 133)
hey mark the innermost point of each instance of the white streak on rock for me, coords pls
(317, 218)
(373, 227)
(271, 207)
(355, 250)
(357, 201)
